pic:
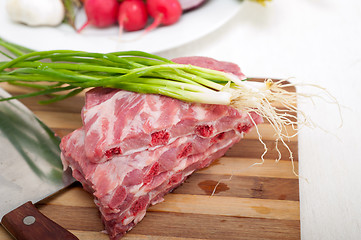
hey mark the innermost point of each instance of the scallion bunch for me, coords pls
(65, 73)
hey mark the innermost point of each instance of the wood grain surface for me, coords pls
(251, 201)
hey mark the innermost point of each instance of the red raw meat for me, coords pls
(211, 63)
(121, 122)
(125, 186)
(135, 148)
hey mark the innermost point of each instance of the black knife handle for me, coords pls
(27, 223)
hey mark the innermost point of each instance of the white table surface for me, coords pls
(319, 42)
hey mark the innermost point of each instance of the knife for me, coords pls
(30, 170)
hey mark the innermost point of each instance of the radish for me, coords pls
(132, 15)
(100, 13)
(165, 12)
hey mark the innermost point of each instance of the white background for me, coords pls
(318, 42)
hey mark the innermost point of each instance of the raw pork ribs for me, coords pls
(135, 148)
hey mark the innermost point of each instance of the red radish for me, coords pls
(132, 15)
(100, 13)
(164, 12)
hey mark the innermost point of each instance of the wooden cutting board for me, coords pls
(250, 202)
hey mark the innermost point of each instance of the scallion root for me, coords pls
(278, 106)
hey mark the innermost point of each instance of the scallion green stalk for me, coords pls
(65, 73)
(72, 71)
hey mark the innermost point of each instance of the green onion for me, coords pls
(73, 71)
(64, 73)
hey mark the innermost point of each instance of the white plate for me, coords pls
(190, 27)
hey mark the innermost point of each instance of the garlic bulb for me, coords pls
(36, 12)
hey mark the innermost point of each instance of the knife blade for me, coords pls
(30, 170)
